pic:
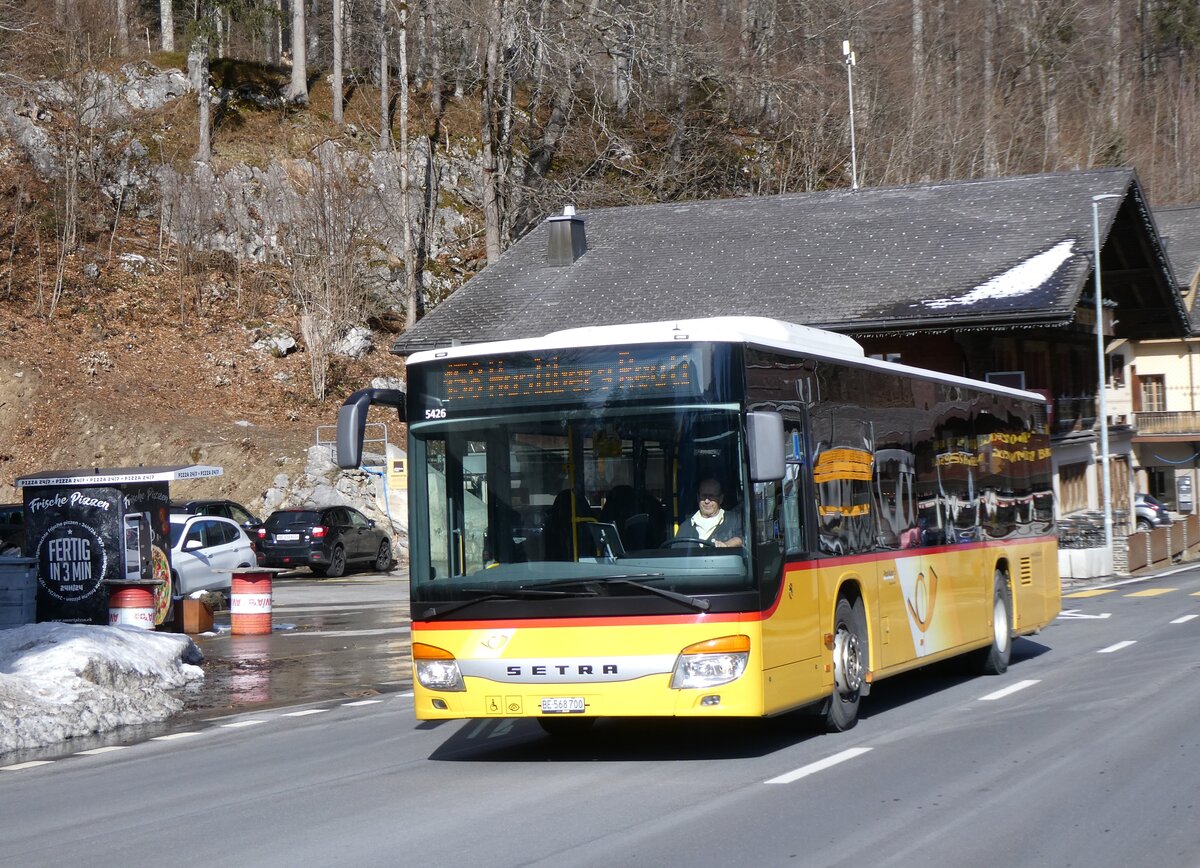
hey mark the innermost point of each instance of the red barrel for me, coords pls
(132, 605)
(250, 602)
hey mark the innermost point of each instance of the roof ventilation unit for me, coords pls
(566, 241)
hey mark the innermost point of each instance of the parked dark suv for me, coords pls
(12, 527)
(223, 508)
(326, 540)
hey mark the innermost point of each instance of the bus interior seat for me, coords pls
(640, 518)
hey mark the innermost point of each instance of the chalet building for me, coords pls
(991, 279)
(1154, 384)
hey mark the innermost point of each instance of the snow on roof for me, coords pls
(1022, 279)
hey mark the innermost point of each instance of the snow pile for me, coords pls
(60, 681)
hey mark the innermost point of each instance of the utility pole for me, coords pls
(849, 55)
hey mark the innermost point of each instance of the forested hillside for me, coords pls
(329, 164)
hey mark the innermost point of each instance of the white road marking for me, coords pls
(238, 724)
(305, 712)
(1011, 689)
(1184, 619)
(175, 736)
(362, 702)
(20, 766)
(99, 750)
(819, 766)
(1117, 647)
(1075, 614)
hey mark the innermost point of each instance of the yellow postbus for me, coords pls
(887, 517)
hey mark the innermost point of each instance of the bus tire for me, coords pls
(850, 664)
(993, 660)
(566, 727)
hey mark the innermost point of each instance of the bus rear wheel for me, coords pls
(993, 660)
(850, 665)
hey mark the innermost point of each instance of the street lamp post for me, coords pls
(1102, 410)
(849, 55)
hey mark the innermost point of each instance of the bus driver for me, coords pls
(710, 522)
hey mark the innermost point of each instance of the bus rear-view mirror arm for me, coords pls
(764, 435)
(352, 421)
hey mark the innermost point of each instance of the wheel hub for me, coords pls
(847, 662)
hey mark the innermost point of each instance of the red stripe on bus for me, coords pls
(617, 621)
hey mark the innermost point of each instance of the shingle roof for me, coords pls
(1179, 229)
(955, 255)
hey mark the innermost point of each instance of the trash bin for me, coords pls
(18, 591)
(131, 604)
(250, 601)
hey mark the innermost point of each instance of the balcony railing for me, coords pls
(1168, 422)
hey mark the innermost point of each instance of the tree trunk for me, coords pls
(338, 24)
(198, 60)
(487, 138)
(406, 221)
(385, 116)
(297, 90)
(122, 28)
(991, 165)
(166, 25)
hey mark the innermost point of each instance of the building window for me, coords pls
(1154, 393)
(1116, 371)
(1072, 487)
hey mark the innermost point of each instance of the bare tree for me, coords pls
(297, 90)
(166, 24)
(338, 30)
(406, 218)
(385, 118)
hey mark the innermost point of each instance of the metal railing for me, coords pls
(1168, 422)
(375, 440)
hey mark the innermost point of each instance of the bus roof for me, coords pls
(757, 331)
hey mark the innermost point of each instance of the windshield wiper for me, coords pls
(514, 594)
(629, 581)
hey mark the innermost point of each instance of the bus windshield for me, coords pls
(513, 505)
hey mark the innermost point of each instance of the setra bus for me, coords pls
(891, 517)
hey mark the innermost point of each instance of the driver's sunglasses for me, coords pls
(710, 495)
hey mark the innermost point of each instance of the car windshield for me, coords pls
(293, 518)
(176, 533)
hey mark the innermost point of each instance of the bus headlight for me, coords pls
(436, 668)
(708, 664)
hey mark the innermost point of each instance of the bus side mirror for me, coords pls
(764, 436)
(352, 422)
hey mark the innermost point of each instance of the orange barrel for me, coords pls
(250, 603)
(132, 605)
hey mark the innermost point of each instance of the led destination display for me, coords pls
(594, 376)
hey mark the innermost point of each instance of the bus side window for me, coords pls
(793, 539)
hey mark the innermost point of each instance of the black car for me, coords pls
(223, 508)
(12, 527)
(326, 540)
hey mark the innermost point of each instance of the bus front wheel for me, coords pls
(993, 660)
(850, 665)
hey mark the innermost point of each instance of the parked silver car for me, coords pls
(1149, 512)
(204, 551)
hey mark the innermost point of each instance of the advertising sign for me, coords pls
(86, 536)
(67, 530)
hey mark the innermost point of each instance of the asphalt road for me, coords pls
(1084, 754)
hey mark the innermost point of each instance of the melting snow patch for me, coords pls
(60, 681)
(1019, 280)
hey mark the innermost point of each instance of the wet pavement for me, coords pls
(330, 639)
